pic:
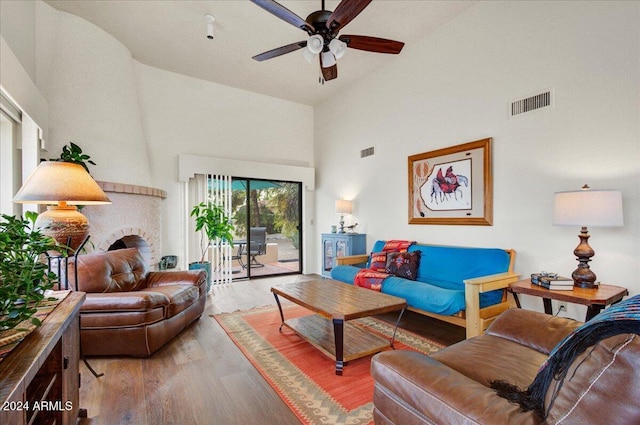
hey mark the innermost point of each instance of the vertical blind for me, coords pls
(213, 189)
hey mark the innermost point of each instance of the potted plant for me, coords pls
(214, 225)
(73, 153)
(24, 275)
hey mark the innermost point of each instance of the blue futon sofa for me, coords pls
(460, 285)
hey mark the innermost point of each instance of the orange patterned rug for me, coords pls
(304, 377)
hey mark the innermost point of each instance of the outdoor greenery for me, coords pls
(24, 274)
(285, 202)
(275, 208)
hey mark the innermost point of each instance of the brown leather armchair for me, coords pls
(452, 385)
(129, 310)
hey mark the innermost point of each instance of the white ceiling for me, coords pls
(171, 35)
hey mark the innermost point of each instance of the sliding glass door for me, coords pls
(266, 215)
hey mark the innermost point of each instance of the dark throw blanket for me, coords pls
(619, 319)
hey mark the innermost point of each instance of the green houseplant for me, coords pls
(214, 225)
(73, 153)
(24, 276)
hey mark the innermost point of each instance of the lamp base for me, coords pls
(583, 277)
(65, 224)
(341, 230)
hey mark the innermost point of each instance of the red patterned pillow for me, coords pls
(378, 261)
(403, 264)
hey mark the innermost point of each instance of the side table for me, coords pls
(594, 298)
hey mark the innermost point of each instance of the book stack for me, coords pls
(552, 281)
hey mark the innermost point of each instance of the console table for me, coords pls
(40, 379)
(594, 298)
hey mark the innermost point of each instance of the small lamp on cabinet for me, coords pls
(343, 207)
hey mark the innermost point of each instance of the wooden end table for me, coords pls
(335, 303)
(594, 298)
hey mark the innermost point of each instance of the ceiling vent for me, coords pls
(367, 152)
(531, 103)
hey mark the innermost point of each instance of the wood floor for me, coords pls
(201, 377)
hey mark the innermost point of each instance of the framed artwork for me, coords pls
(452, 185)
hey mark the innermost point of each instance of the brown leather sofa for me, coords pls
(129, 310)
(452, 385)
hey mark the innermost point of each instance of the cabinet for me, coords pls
(340, 245)
(40, 379)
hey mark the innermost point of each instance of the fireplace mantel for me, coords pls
(132, 189)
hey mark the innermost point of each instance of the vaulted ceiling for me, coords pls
(171, 35)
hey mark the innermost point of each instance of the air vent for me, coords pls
(366, 152)
(531, 103)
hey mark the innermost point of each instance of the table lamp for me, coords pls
(63, 185)
(342, 207)
(600, 208)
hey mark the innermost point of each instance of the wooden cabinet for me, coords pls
(340, 245)
(40, 379)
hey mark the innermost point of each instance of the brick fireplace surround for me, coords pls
(133, 219)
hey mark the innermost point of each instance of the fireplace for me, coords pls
(132, 220)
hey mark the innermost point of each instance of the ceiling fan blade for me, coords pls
(345, 12)
(285, 14)
(372, 44)
(329, 73)
(280, 51)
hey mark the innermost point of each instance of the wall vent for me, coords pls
(531, 103)
(367, 152)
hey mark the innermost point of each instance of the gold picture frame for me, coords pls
(452, 185)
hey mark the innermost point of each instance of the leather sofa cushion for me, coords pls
(127, 301)
(515, 325)
(121, 319)
(180, 297)
(416, 389)
(112, 271)
(178, 277)
(510, 361)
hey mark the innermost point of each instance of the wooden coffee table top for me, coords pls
(337, 300)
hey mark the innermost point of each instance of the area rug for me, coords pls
(304, 377)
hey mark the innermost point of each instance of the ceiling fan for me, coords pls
(323, 27)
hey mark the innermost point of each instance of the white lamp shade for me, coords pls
(343, 206)
(338, 48)
(599, 208)
(315, 44)
(56, 181)
(328, 60)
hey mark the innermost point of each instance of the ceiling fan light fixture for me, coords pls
(309, 57)
(338, 48)
(315, 44)
(328, 60)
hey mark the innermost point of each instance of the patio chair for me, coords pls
(257, 245)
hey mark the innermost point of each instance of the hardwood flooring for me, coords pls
(201, 377)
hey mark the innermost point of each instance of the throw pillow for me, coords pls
(403, 264)
(378, 261)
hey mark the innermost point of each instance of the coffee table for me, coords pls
(335, 304)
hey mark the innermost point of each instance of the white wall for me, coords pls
(93, 99)
(186, 115)
(455, 87)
